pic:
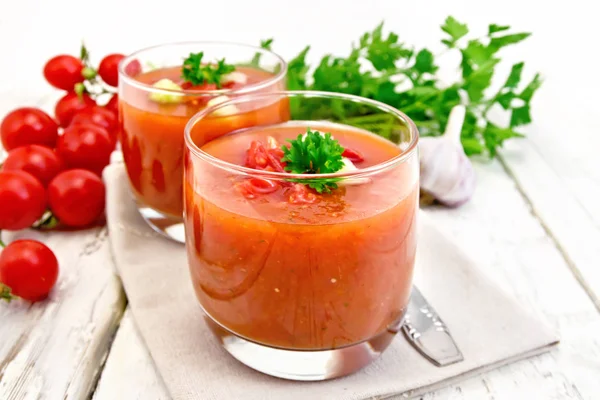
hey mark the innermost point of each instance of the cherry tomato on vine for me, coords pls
(113, 104)
(22, 200)
(86, 146)
(41, 162)
(28, 125)
(100, 116)
(76, 197)
(29, 269)
(69, 105)
(64, 71)
(109, 69)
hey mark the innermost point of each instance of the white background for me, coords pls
(562, 47)
(533, 224)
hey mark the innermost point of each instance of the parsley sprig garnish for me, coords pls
(196, 73)
(383, 68)
(314, 153)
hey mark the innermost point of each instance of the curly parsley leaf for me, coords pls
(264, 44)
(383, 68)
(197, 73)
(314, 153)
(455, 29)
(493, 28)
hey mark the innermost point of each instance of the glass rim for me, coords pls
(125, 78)
(400, 158)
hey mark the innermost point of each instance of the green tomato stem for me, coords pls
(88, 73)
(5, 293)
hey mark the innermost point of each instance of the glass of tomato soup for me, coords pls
(301, 233)
(160, 89)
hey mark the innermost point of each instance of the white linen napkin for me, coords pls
(490, 328)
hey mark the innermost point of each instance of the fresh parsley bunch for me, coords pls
(197, 73)
(314, 153)
(404, 77)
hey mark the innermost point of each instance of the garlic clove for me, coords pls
(225, 110)
(350, 167)
(166, 98)
(272, 143)
(446, 172)
(237, 77)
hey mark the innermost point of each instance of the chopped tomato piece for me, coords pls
(245, 189)
(256, 156)
(301, 195)
(275, 160)
(231, 85)
(353, 155)
(204, 87)
(263, 186)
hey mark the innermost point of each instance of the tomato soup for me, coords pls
(281, 271)
(152, 131)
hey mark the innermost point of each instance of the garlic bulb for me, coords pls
(446, 172)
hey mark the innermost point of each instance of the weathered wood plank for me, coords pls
(499, 229)
(55, 349)
(564, 190)
(129, 372)
(517, 252)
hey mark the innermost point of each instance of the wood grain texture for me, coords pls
(565, 195)
(55, 349)
(522, 260)
(130, 372)
(533, 248)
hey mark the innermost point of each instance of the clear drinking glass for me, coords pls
(153, 119)
(297, 284)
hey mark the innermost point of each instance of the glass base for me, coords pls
(301, 365)
(166, 225)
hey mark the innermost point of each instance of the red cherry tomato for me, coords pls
(113, 104)
(63, 72)
(109, 69)
(29, 268)
(86, 146)
(76, 197)
(100, 116)
(300, 194)
(69, 105)
(41, 162)
(353, 155)
(28, 125)
(22, 200)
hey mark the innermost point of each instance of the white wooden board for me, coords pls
(55, 349)
(516, 251)
(543, 248)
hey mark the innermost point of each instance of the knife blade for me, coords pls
(428, 334)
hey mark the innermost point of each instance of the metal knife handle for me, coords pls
(426, 331)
